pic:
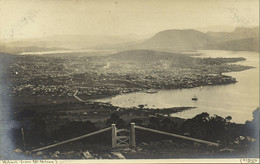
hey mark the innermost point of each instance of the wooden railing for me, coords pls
(73, 139)
(178, 136)
(130, 138)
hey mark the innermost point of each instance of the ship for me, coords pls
(194, 98)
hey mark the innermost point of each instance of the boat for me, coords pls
(194, 98)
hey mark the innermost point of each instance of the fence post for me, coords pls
(113, 126)
(23, 139)
(132, 135)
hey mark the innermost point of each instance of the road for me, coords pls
(75, 95)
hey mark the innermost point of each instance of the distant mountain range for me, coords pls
(177, 40)
(65, 42)
(241, 39)
(16, 50)
(238, 33)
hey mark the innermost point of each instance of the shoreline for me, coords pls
(95, 98)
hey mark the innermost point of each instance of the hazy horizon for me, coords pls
(138, 19)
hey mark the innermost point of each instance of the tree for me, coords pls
(74, 129)
(115, 119)
(141, 106)
(228, 130)
(168, 125)
(197, 126)
(216, 128)
(137, 121)
(154, 123)
(228, 118)
(203, 117)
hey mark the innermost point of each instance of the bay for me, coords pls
(237, 100)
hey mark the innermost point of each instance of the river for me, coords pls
(238, 100)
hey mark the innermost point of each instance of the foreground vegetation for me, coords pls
(235, 140)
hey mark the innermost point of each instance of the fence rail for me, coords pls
(131, 137)
(73, 139)
(178, 136)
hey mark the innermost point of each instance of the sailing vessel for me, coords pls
(194, 98)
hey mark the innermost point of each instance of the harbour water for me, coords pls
(238, 100)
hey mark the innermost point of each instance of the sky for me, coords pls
(38, 18)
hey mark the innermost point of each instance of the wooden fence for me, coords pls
(73, 139)
(178, 136)
(127, 139)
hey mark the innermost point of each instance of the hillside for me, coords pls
(247, 44)
(146, 56)
(177, 40)
(237, 34)
(63, 42)
(241, 39)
